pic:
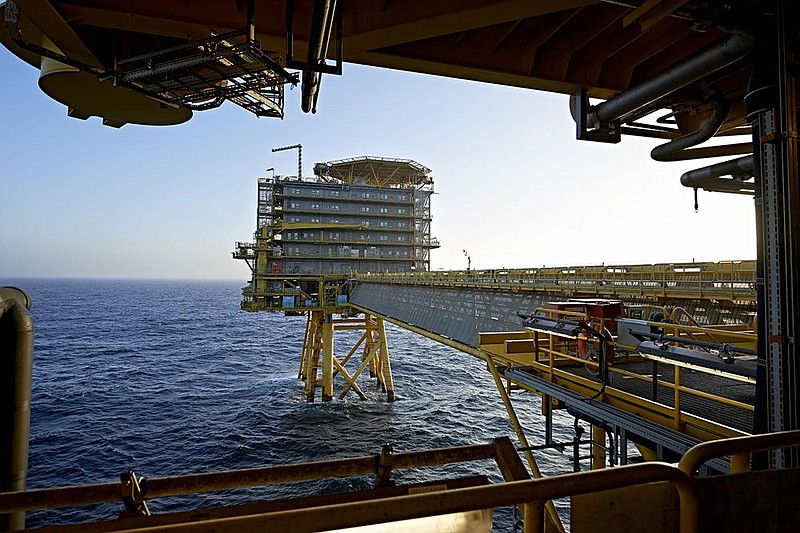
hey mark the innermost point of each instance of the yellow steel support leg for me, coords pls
(311, 351)
(598, 449)
(305, 352)
(369, 322)
(327, 359)
(318, 353)
(385, 365)
(550, 509)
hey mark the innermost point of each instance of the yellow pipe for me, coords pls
(693, 459)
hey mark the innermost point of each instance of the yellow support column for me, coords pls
(305, 352)
(369, 324)
(385, 366)
(311, 351)
(327, 359)
(598, 447)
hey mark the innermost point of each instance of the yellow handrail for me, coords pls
(738, 448)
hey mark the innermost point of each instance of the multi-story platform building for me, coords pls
(364, 214)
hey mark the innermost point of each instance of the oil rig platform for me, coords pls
(365, 214)
(618, 346)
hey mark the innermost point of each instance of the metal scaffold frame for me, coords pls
(318, 355)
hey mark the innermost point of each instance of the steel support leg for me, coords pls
(385, 364)
(772, 109)
(327, 359)
(312, 351)
(598, 447)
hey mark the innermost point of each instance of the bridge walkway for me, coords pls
(664, 406)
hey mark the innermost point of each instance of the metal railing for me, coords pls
(552, 355)
(728, 280)
(134, 492)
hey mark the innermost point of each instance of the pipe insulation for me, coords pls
(16, 371)
(319, 40)
(710, 177)
(679, 75)
(677, 149)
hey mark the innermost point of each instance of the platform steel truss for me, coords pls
(318, 356)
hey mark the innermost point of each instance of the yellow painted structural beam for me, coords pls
(319, 365)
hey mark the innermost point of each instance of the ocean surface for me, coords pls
(171, 377)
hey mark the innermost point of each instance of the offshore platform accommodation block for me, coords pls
(363, 215)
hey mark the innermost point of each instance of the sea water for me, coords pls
(168, 377)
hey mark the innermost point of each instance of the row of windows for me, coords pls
(336, 207)
(333, 193)
(382, 224)
(342, 251)
(336, 236)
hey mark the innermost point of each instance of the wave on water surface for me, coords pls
(169, 377)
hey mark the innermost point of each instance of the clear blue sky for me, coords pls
(514, 186)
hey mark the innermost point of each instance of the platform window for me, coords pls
(365, 209)
(315, 206)
(384, 210)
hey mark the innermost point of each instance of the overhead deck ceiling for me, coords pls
(551, 45)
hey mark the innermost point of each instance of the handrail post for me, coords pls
(533, 517)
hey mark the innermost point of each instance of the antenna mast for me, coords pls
(299, 148)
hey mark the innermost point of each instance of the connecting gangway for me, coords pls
(691, 382)
(460, 304)
(665, 403)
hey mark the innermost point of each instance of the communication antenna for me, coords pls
(299, 148)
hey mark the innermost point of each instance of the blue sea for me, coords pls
(170, 377)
